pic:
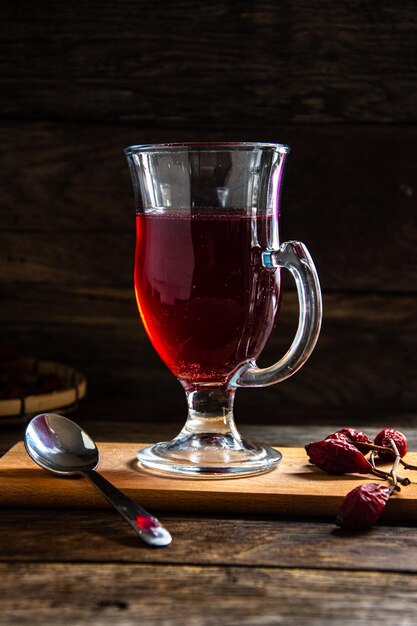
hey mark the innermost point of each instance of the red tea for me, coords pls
(205, 300)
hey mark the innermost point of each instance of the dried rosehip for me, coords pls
(338, 437)
(336, 456)
(382, 439)
(362, 506)
(355, 436)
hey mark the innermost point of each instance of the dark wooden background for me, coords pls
(335, 79)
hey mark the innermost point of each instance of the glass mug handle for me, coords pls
(294, 256)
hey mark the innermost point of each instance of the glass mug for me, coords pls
(208, 285)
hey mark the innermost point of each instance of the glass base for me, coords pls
(209, 455)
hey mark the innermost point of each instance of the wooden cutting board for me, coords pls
(295, 487)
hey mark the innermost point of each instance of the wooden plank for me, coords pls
(119, 362)
(216, 64)
(75, 304)
(365, 356)
(75, 176)
(205, 596)
(75, 179)
(294, 488)
(255, 542)
(107, 419)
(295, 431)
(106, 259)
(81, 258)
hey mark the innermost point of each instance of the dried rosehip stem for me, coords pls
(407, 465)
(387, 475)
(404, 481)
(371, 446)
(397, 458)
(392, 473)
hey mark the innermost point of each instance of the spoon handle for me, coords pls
(145, 525)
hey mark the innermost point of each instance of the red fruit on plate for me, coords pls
(337, 456)
(382, 439)
(362, 506)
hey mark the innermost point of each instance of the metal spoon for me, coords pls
(59, 445)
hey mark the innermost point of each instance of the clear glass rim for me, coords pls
(206, 146)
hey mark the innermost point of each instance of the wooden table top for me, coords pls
(75, 567)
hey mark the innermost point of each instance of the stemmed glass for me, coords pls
(208, 286)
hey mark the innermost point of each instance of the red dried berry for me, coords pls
(382, 439)
(362, 506)
(338, 437)
(336, 456)
(355, 436)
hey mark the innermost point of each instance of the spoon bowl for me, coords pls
(60, 446)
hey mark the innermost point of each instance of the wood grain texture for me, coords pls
(67, 245)
(205, 65)
(203, 596)
(256, 542)
(295, 487)
(295, 431)
(218, 570)
(351, 204)
(337, 81)
(97, 258)
(107, 419)
(365, 357)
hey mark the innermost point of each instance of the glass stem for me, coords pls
(210, 410)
